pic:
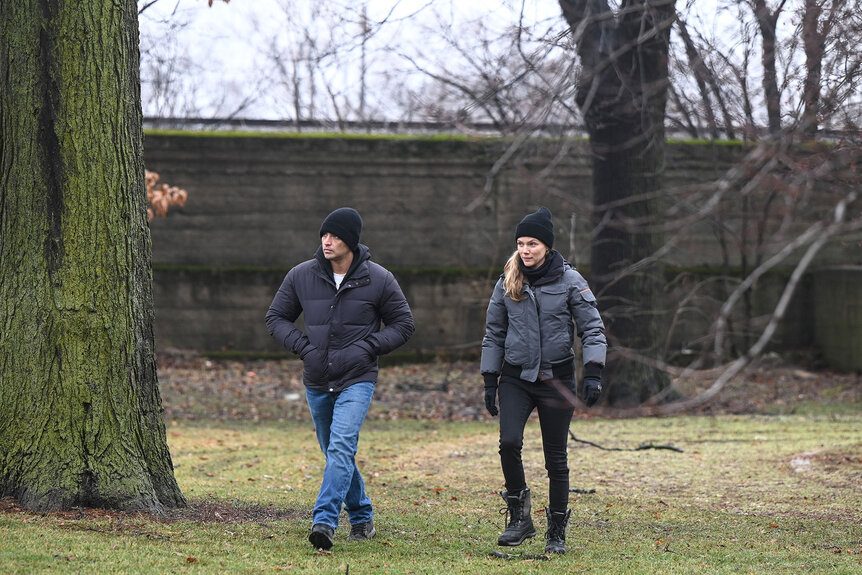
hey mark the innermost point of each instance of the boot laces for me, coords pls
(556, 529)
(511, 516)
(554, 532)
(504, 511)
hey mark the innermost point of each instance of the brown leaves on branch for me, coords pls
(162, 196)
(210, 2)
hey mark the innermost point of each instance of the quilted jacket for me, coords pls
(342, 334)
(538, 332)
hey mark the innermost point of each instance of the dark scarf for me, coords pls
(551, 269)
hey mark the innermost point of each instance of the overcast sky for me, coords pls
(224, 44)
(219, 51)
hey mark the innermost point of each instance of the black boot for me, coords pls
(520, 526)
(556, 534)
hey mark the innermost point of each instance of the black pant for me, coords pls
(518, 398)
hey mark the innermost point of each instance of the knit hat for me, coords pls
(346, 224)
(537, 225)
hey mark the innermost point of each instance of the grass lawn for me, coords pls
(747, 494)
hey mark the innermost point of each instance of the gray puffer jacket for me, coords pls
(343, 334)
(538, 332)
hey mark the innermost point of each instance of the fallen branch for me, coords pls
(521, 556)
(640, 447)
(836, 228)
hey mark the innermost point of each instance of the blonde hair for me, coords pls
(513, 278)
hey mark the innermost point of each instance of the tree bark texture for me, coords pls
(80, 411)
(622, 91)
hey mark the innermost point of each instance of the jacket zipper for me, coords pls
(535, 299)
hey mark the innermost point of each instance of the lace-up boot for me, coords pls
(556, 533)
(520, 525)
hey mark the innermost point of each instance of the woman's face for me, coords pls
(532, 251)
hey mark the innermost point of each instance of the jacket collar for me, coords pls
(360, 255)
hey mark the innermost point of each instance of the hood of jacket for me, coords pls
(360, 255)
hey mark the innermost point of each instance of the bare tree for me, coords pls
(172, 73)
(769, 68)
(782, 203)
(622, 91)
(767, 21)
(828, 30)
(808, 76)
(709, 89)
(325, 58)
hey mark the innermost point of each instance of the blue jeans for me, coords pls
(337, 419)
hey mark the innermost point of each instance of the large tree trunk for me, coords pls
(80, 411)
(622, 92)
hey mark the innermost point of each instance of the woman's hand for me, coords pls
(592, 390)
(592, 383)
(491, 392)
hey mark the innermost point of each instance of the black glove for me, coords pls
(592, 383)
(491, 392)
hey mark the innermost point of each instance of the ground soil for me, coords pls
(197, 387)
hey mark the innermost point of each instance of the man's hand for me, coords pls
(314, 364)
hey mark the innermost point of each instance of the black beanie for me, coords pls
(346, 224)
(537, 225)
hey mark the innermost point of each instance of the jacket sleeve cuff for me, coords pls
(490, 379)
(303, 348)
(593, 370)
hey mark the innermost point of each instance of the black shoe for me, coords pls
(321, 536)
(362, 531)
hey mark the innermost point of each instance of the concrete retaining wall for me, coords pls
(256, 202)
(838, 304)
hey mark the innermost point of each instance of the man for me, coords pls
(344, 297)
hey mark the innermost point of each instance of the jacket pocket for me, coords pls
(352, 360)
(588, 296)
(515, 309)
(315, 367)
(553, 299)
(521, 333)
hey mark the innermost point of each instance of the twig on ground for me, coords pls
(521, 556)
(641, 447)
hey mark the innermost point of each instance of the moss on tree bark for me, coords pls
(80, 410)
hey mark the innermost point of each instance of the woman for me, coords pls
(527, 351)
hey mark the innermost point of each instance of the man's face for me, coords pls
(334, 248)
